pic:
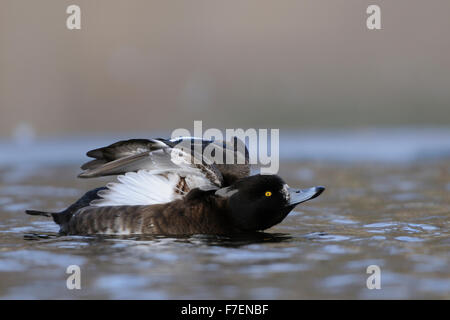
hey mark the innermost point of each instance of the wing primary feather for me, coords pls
(114, 167)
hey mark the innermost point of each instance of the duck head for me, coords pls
(261, 201)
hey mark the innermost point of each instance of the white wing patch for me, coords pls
(150, 187)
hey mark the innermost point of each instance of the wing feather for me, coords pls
(147, 188)
(156, 171)
(121, 149)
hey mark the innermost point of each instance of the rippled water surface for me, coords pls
(394, 214)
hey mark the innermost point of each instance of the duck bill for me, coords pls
(297, 196)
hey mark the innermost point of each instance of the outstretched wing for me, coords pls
(156, 170)
(168, 176)
(150, 154)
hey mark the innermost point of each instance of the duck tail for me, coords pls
(63, 217)
(57, 216)
(38, 213)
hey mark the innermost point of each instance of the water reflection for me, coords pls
(236, 240)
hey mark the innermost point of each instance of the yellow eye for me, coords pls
(268, 193)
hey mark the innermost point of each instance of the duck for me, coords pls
(171, 187)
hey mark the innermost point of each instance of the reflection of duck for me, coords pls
(162, 189)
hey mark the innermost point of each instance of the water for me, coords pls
(390, 210)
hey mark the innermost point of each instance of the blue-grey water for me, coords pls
(387, 203)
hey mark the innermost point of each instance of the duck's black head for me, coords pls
(261, 201)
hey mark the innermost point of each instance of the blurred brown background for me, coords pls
(144, 65)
